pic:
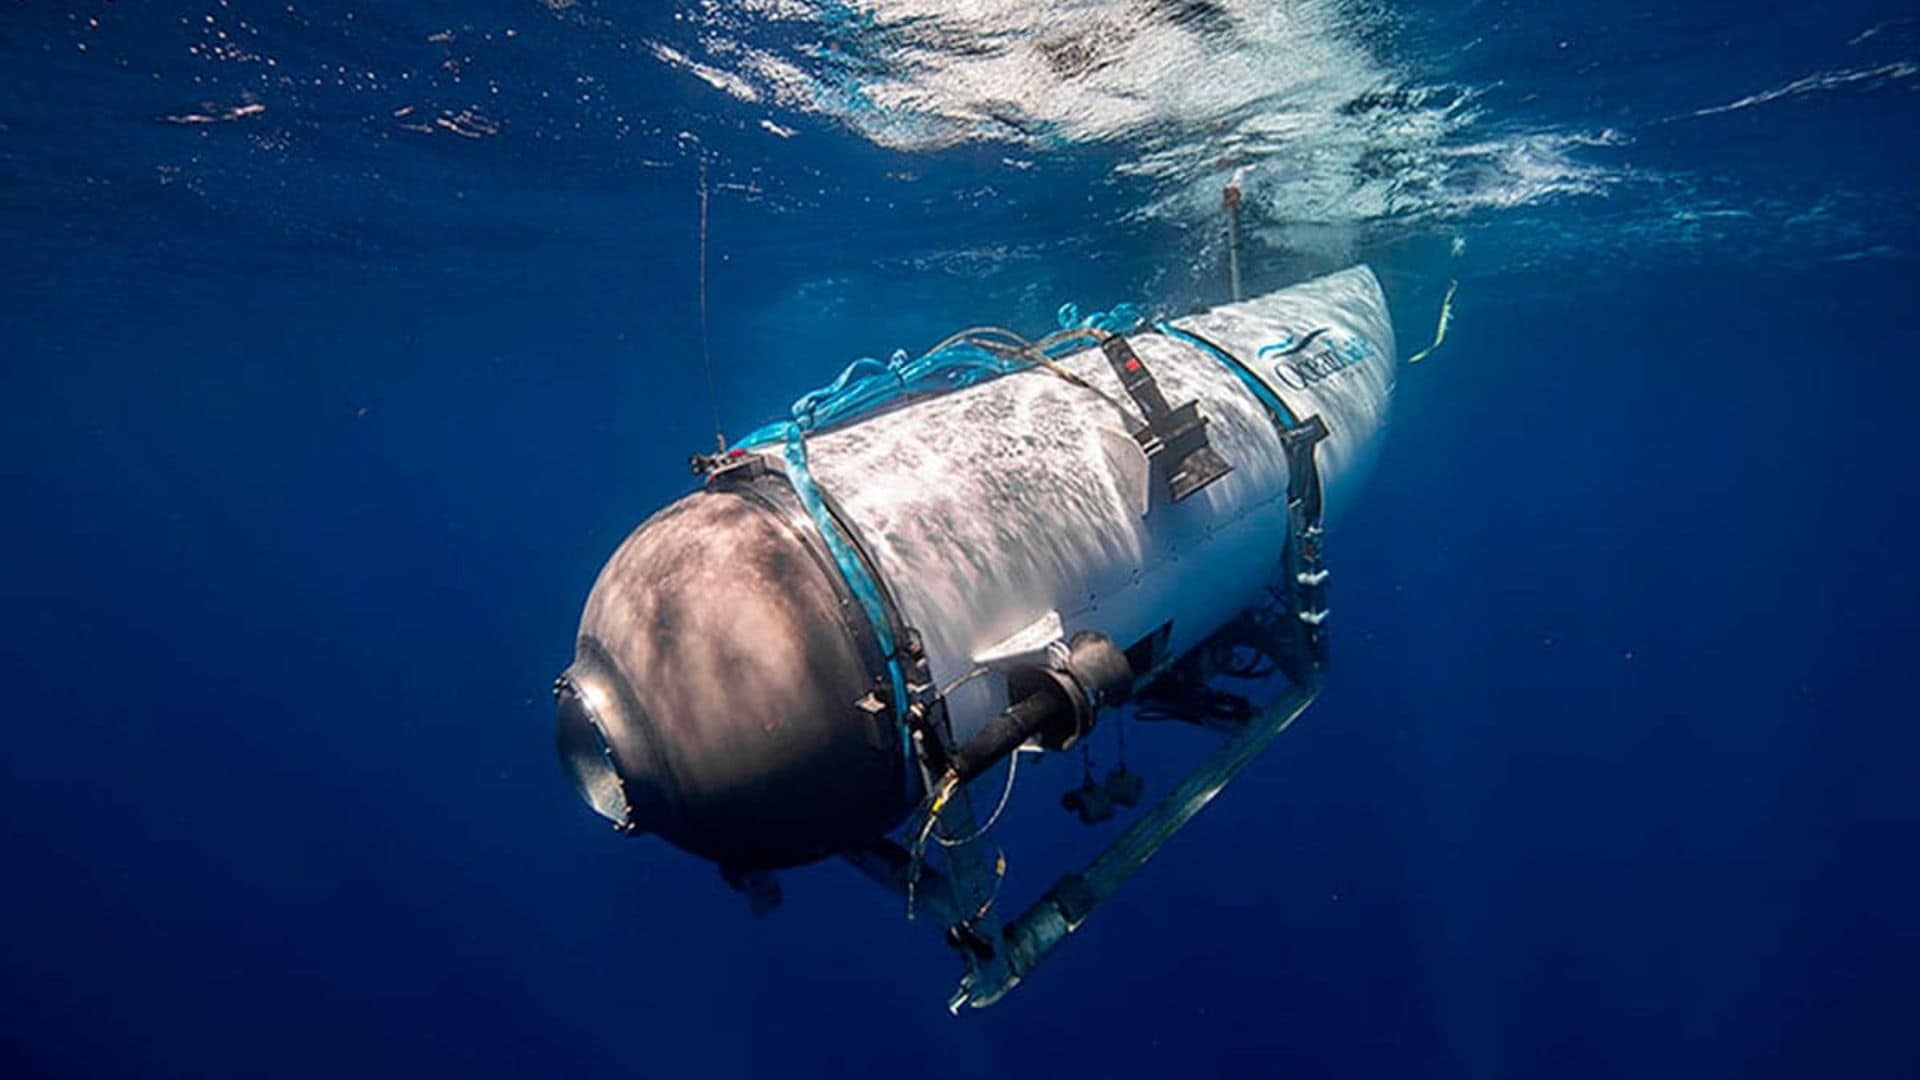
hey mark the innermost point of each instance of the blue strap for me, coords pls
(853, 569)
(868, 384)
(1276, 408)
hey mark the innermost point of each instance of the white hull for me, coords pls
(989, 509)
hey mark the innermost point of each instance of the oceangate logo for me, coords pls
(1324, 361)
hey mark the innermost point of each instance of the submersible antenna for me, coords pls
(706, 352)
(1230, 200)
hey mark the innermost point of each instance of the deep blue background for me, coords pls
(310, 454)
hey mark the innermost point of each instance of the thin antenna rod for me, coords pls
(1230, 200)
(706, 352)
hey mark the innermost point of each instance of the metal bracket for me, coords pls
(1303, 470)
(1016, 949)
(1175, 439)
(742, 464)
(1064, 908)
(1305, 562)
(962, 897)
(926, 717)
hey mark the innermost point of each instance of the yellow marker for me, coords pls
(1440, 331)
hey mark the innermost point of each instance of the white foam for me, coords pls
(1292, 99)
(1867, 78)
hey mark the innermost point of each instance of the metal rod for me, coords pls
(1231, 201)
(706, 350)
(1031, 936)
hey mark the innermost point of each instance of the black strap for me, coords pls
(1303, 468)
(1135, 377)
(1175, 439)
(1306, 557)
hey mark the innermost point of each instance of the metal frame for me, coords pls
(999, 955)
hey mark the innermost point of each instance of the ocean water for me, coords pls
(340, 344)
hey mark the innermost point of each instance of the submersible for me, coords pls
(938, 562)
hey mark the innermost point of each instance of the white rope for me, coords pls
(1006, 792)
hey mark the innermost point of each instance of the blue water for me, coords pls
(338, 347)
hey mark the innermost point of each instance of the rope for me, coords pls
(937, 800)
(964, 359)
(1006, 792)
(706, 352)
